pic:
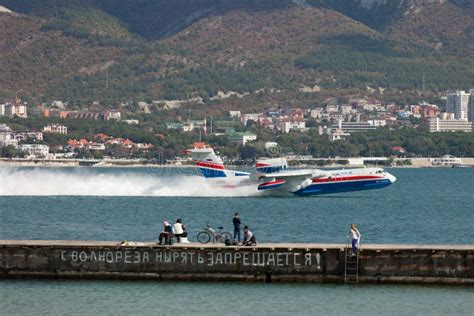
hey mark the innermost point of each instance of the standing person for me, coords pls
(167, 233)
(355, 235)
(179, 229)
(236, 221)
(249, 237)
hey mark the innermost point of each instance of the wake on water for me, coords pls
(91, 182)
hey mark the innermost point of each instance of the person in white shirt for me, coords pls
(179, 229)
(355, 235)
(249, 237)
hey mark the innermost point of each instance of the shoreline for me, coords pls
(120, 164)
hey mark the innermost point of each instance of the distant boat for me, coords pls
(463, 166)
(447, 161)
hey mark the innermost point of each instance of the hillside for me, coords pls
(270, 51)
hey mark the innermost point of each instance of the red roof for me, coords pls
(399, 149)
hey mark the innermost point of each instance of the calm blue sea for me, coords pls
(429, 206)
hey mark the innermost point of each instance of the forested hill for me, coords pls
(271, 51)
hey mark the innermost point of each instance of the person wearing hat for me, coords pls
(167, 234)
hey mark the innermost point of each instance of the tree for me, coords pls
(10, 152)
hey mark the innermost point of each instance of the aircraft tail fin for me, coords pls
(271, 165)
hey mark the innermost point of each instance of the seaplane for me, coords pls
(273, 176)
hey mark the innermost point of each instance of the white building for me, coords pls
(292, 125)
(132, 122)
(112, 115)
(244, 118)
(55, 129)
(458, 103)
(96, 146)
(34, 150)
(16, 109)
(6, 136)
(471, 105)
(337, 134)
(314, 113)
(23, 136)
(354, 126)
(377, 123)
(235, 114)
(449, 125)
(242, 137)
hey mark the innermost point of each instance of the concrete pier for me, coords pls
(281, 262)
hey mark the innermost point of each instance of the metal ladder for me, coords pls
(351, 264)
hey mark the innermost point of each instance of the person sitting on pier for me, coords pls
(167, 233)
(355, 235)
(249, 237)
(180, 231)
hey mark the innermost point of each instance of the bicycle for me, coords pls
(209, 233)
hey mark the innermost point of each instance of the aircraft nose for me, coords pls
(391, 177)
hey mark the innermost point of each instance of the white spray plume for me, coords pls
(47, 182)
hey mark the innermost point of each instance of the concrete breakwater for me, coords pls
(439, 264)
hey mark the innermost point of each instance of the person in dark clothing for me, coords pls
(249, 237)
(236, 221)
(167, 234)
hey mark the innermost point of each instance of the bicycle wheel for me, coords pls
(224, 236)
(204, 237)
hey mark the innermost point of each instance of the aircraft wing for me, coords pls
(287, 175)
(290, 180)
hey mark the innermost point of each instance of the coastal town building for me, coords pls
(235, 114)
(430, 111)
(449, 124)
(188, 126)
(132, 122)
(471, 105)
(337, 134)
(458, 103)
(242, 137)
(354, 126)
(143, 146)
(314, 113)
(55, 129)
(112, 115)
(287, 125)
(81, 143)
(377, 123)
(34, 150)
(14, 108)
(24, 136)
(7, 137)
(244, 118)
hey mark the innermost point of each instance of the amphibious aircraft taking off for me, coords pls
(273, 175)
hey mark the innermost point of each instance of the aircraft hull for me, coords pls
(343, 186)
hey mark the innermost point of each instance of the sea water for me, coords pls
(425, 206)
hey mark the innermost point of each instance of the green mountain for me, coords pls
(270, 51)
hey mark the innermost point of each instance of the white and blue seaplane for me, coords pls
(272, 175)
